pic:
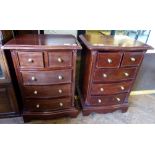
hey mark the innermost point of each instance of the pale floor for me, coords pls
(141, 110)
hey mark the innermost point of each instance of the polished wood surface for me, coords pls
(114, 75)
(46, 41)
(108, 60)
(118, 42)
(31, 59)
(112, 88)
(45, 105)
(47, 91)
(45, 68)
(107, 100)
(46, 77)
(110, 66)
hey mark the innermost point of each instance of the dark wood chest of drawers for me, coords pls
(109, 71)
(45, 68)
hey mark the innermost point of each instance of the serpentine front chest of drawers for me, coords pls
(45, 69)
(109, 71)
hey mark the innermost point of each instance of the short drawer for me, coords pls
(47, 91)
(47, 104)
(108, 60)
(59, 59)
(107, 100)
(46, 77)
(31, 59)
(114, 88)
(132, 59)
(112, 75)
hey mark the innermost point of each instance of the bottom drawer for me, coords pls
(107, 100)
(47, 104)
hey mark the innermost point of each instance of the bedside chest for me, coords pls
(109, 71)
(45, 68)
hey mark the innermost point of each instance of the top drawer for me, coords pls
(108, 60)
(31, 59)
(132, 59)
(60, 59)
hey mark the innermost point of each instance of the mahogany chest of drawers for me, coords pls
(110, 66)
(45, 69)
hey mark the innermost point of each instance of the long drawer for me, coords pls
(112, 75)
(47, 104)
(112, 88)
(46, 77)
(52, 91)
(107, 100)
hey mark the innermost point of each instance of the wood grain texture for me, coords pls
(110, 67)
(42, 79)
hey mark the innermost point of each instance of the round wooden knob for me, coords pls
(60, 91)
(109, 61)
(33, 78)
(60, 77)
(99, 100)
(126, 74)
(118, 99)
(61, 104)
(122, 88)
(132, 59)
(104, 75)
(101, 89)
(30, 60)
(37, 106)
(60, 60)
(35, 92)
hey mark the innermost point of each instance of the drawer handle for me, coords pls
(60, 60)
(109, 61)
(101, 89)
(37, 106)
(33, 78)
(30, 60)
(122, 88)
(126, 74)
(118, 99)
(61, 104)
(104, 75)
(35, 92)
(133, 59)
(60, 77)
(60, 91)
(99, 100)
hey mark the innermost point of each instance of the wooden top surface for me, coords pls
(117, 42)
(43, 41)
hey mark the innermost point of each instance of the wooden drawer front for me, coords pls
(132, 59)
(46, 77)
(107, 89)
(108, 60)
(47, 105)
(60, 59)
(47, 91)
(31, 59)
(111, 75)
(107, 100)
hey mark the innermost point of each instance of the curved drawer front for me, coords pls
(60, 59)
(46, 77)
(108, 60)
(132, 59)
(112, 75)
(47, 105)
(107, 100)
(31, 59)
(47, 91)
(107, 89)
